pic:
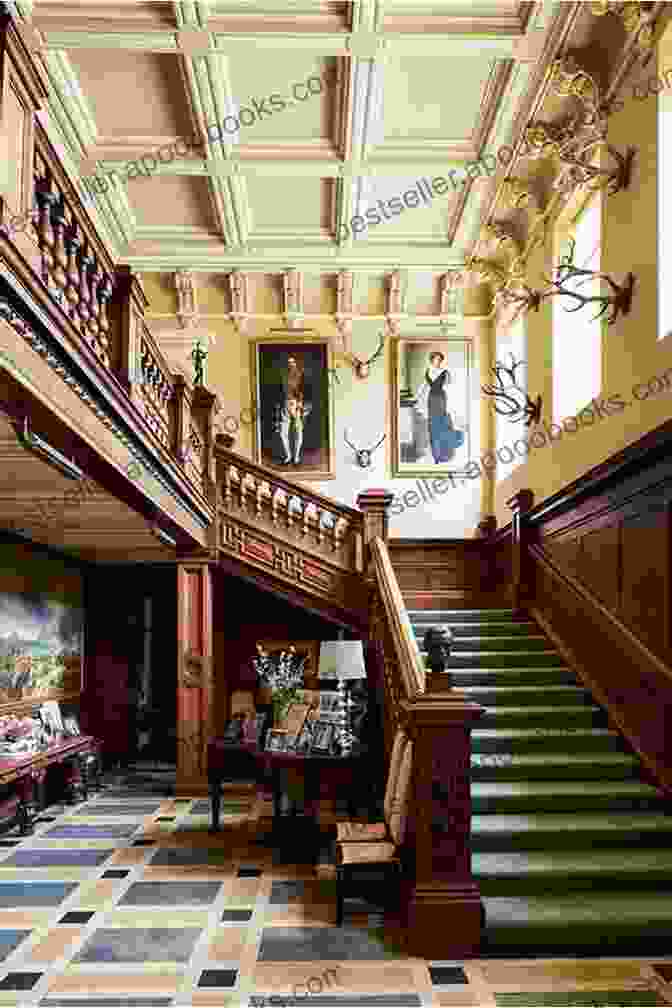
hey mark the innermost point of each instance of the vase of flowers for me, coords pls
(280, 676)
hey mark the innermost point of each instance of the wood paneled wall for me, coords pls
(448, 573)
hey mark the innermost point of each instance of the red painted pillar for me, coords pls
(194, 675)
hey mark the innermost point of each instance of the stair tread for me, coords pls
(579, 908)
(525, 690)
(533, 709)
(569, 760)
(553, 733)
(508, 788)
(575, 822)
(567, 863)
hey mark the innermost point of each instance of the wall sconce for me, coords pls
(616, 299)
(513, 408)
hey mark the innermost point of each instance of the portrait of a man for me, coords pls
(294, 415)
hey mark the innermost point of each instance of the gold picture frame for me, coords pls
(425, 445)
(276, 433)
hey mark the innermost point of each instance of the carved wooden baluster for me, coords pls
(227, 495)
(72, 246)
(239, 486)
(93, 327)
(341, 526)
(105, 291)
(59, 275)
(83, 308)
(46, 200)
(276, 502)
(321, 527)
(289, 516)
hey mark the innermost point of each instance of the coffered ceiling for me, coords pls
(409, 91)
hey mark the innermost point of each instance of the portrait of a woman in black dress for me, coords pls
(432, 404)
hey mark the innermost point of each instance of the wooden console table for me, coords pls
(80, 760)
(350, 772)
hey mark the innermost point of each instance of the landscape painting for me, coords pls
(41, 626)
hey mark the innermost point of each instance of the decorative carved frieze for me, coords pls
(239, 300)
(292, 282)
(187, 304)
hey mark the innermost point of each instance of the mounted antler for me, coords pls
(515, 410)
(617, 302)
(362, 368)
(363, 455)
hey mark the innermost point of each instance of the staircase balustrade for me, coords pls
(441, 902)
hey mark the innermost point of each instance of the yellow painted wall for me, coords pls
(360, 407)
(631, 351)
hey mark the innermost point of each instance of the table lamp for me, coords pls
(343, 661)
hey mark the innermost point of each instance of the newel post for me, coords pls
(374, 504)
(442, 903)
(520, 504)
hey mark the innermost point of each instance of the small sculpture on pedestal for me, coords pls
(437, 643)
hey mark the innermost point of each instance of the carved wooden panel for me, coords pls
(313, 575)
(646, 582)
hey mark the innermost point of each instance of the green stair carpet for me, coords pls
(571, 848)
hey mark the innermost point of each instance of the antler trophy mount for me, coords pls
(362, 368)
(363, 455)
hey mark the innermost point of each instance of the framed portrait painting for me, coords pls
(294, 414)
(431, 404)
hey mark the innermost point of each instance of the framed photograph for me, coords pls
(304, 742)
(330, 706)
(430, 409)
(276, 740)
(50, 715)
(323, 736)
(71, 725)
(294, 405)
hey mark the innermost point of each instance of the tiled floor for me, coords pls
(128, 901)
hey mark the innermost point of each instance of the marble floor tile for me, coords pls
(138, 945)
(34, 893)
(170, 893)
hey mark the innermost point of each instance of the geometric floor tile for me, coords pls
(317, 943)
(217, 978)
(9, 940)
(258, 924)
(19, 981)
(576, 999)
(89, 831)
(34, 893)
(33, 858)
(448, 975)
(137, 945)
(170, 894)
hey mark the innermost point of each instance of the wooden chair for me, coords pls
(356, 832)
(352, 857)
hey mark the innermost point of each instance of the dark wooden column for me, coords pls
(194, 675)
(442, 905)
(521, 587)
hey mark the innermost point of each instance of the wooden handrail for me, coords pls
(408, 658)
(293, 489)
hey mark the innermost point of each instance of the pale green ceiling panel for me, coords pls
(434, 91)
(290, 205)
(280, 115)
(404, 208)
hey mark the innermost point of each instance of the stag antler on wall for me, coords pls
(617, 302)
(363, 454)
(512, 408)
(362, 368)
